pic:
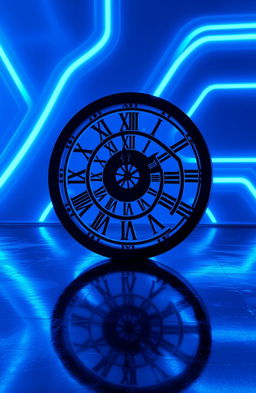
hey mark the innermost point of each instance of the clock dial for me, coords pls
(130, 175)
(132, 327)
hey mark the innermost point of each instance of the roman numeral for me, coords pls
(102, 129)
(155, 224)
(86, 153)
(191, 176)
(100, 193)
(80, 320)
(127, 231)
(184, 210)
(96, 176)
(179, 145)
(143, 204)
(127, 209)
(84, 346)
(105, 364)
(111, 147)
(129, 141)
(157, 286)
(153, 163)
(76, 177)
(159, 121)
(82, 202)
(130, 121)
(101, 222)
(85, 304)
(172, 177)
(111, 205)
(155, 177)
(163, 157)
(151, 191)
(159, 373)
(167, 201)
(129, 370)
(79, 149)
(128, 283)
(169, 347)
(102, 286)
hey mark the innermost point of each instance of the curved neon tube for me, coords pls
(74, 66)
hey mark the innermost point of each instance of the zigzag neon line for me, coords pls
(192, 48)
(15, 77)
(69, 71)
(218, 86)
(215, 27)
(202, 97)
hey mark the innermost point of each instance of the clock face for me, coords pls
(130, 175)
(132, 327)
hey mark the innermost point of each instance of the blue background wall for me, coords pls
(57, 56)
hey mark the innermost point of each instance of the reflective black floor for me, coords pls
(156, 331)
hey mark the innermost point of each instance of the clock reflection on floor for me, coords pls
(132, 327)
(130, 176)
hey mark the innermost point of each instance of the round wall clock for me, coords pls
(130, 175)
(132, 327)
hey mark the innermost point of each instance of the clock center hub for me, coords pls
(126, 175)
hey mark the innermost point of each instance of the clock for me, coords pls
(131, 327)
(130, 176)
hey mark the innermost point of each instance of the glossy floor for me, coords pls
(39, 263)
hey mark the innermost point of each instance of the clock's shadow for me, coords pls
(131, 326)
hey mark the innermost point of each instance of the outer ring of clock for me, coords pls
(202, 155)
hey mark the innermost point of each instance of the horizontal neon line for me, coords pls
(15, 77)
(56, 93)
(191, 48)
(221, 160)
(236, 180)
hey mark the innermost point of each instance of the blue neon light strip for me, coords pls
(218, 86)
(15, 77)
(69, 71)
(192, 48)
(201, 98)
(236, 180)
(215, 27)
(46, 212)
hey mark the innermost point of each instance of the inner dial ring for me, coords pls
(146, 167)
